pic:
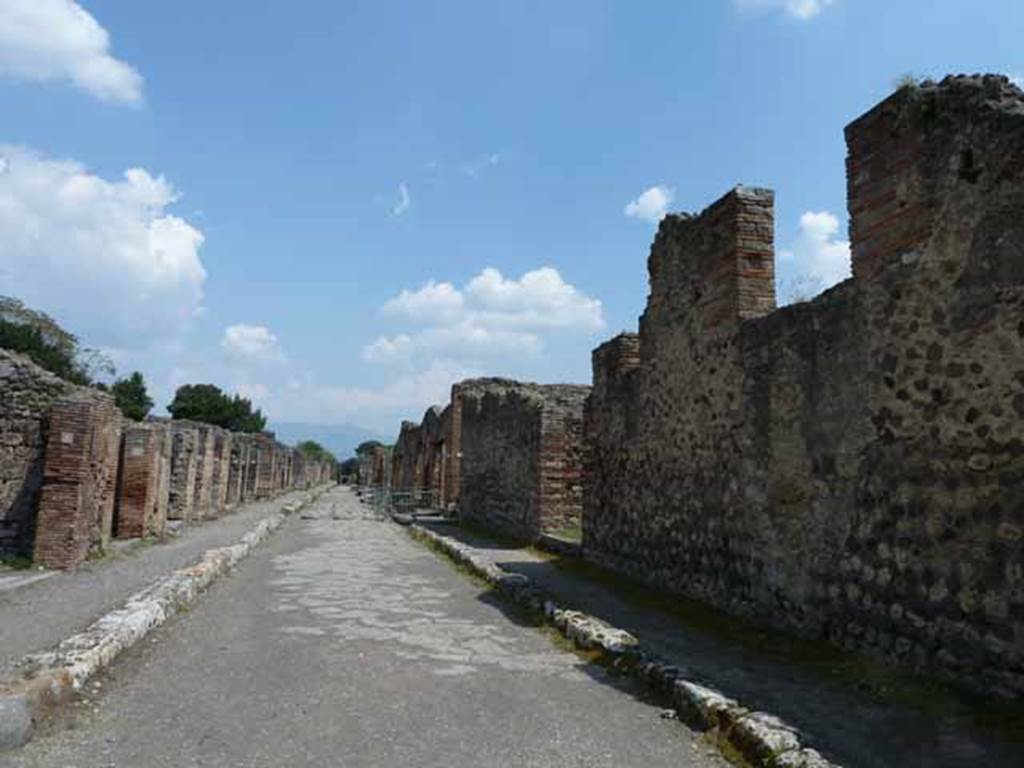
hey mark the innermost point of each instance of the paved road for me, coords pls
(38, 616)
(341, 642)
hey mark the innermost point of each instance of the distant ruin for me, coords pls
(506, 455)
(851, 467)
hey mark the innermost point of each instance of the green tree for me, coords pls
(368, 446)
(208, 404)
(131, 396)
(315, 450)
(38, 336)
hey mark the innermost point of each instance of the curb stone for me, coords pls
(763, 739)
(51, 678)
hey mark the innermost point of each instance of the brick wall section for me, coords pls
(26, 393)
(521, 462)
(76, 505)
(141, 508)
(851, 467)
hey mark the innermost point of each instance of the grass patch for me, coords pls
(16, 562)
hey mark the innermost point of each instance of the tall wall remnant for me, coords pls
(76, 505)
(520, 450)
(144, 484)
(26, 394)
(850, 467)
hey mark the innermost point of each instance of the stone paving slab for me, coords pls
(342, 642)
(858, 714)
(37, 616)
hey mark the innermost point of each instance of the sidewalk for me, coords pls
(40, 614)
(859, 714)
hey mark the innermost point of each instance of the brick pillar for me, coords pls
(142, 491)
(76, 506)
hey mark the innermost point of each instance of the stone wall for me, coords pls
(143, 488)
(76, 504)
(184, 468)
(851, 467)
(520, 448)
(73, 472)
(26, 394)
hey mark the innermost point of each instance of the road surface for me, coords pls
(342, 642)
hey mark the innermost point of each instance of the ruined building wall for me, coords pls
(202, 495)
(850, 467)
(76, 505)
(26, 393)
(405, 456)
(184, 466)
(141, 508)
(520, 450)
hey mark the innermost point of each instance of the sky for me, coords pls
(340, 208)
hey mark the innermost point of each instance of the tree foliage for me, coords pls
(131, 396)
(208, 404)
(314, 450)
(38, 336)
(350, 467)
(368, 446)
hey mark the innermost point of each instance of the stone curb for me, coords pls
(763, 739)
(52, 677)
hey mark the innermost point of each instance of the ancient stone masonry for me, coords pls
(421, 455)
(76, 505)
(144, 484)
(851, 467)
(26, 394)
(521, 464)
(375, 465)
(184, 469)
(74, 472)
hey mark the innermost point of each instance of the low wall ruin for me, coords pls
(74, 472)
(851, 467)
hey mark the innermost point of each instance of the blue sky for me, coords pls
(341, 207)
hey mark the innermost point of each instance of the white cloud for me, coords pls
(1018, 80)
(491, 315)
(817, 259)
(431, 301)
(404, 200)
(105, 257)
(652, 205)
(251, 342)
(799, 9)
(45, 40)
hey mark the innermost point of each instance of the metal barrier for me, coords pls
(387, 501)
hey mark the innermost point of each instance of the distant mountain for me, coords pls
(339, 439)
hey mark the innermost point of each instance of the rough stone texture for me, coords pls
(26, 393)
(220, 479)
(520, 467)
(851, 467)
(421, 456)
(144, 480)
(184, 466)
(76, 505)
(202, 495)
(375, 466)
